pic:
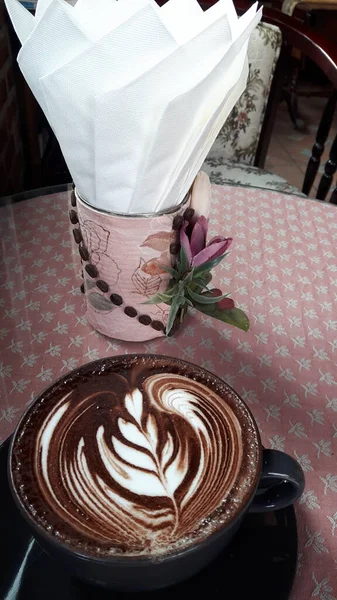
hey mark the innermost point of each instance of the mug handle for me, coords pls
(282, 482)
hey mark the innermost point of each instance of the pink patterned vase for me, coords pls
(122, 263)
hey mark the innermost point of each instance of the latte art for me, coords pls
(135, 461)
(148, 466)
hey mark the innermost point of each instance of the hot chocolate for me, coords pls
(135, 455)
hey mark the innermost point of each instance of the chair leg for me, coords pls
(318, 147)
(329, 171)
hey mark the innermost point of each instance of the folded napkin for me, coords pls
(135, 93)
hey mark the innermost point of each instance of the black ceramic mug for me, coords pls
(136, 471)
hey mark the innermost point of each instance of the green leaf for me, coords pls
(205, 298)
(205, 279)
(183, 264)
(232, 316)
(172, 272)
(197, 289)
(201, 283)
(158, 298)
(175, 306)
(188, 277)
(181, 289)
(209, 265)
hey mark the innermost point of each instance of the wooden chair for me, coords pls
(289, 6)
(323, 53)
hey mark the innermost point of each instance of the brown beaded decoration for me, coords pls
(116, 299)
(158, 325)
(145, 320)
(130, 312)
(91, 270)
(102, 285)
(73, 217)
(77, 236)
(178, 222)
(83, 252)
(174, 248)
(189, 214)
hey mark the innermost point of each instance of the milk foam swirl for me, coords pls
(148, 464)
(136, 458)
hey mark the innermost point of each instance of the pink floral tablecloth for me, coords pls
(282, 271)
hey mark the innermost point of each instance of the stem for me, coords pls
(164, 484)
(172, 498)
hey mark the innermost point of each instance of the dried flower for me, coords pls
(195, 247)
(191, 275)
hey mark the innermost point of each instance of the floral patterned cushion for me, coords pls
(289, 6)
(225, 171)
(232, 156)
(239, 136)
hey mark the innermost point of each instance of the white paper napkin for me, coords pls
(207, 120)
(144, 101)
(100, 17)
(74, 119)
(75, 36)
(23, 21)
(187, 171)
(57, 49)
(41, 8)
(135, 93)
